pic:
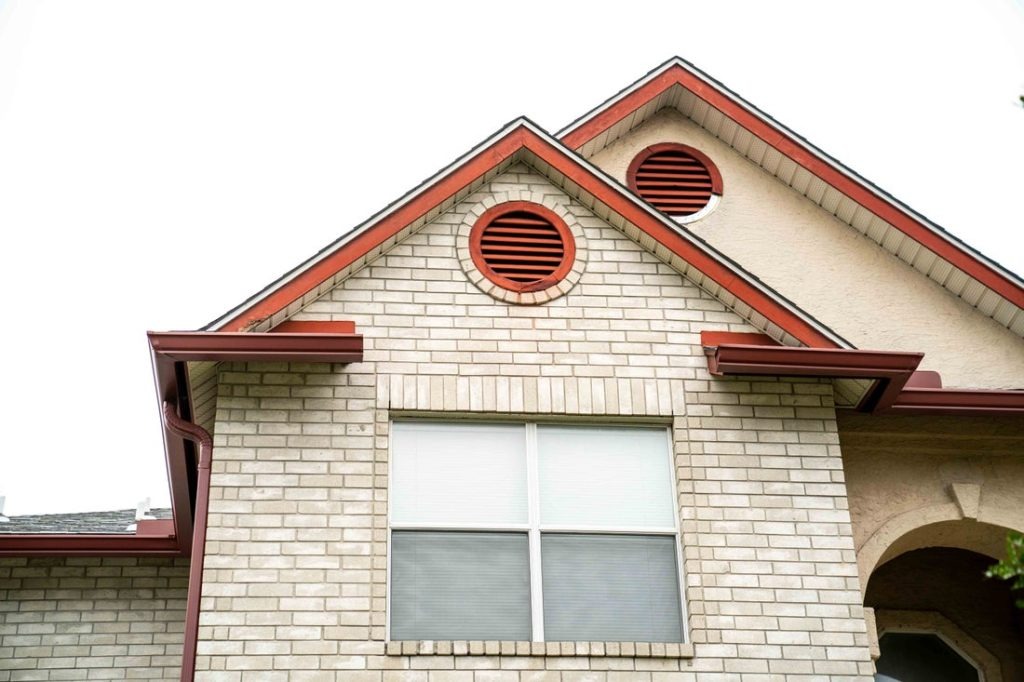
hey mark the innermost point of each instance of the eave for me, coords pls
(947, 401)
(978, 280)
(244, 346)
(152, 538)
(895, 380)
(171, 350)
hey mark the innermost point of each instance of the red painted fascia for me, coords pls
(803, 156)
(43, 544)
(153, 537)
(834, 362)
(899, 387)
(889, 369)
(566, 163)
(949, 401)
(244, 346)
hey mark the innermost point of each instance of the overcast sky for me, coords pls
(161, 161)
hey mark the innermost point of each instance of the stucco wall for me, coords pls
(296, 567)
(923, 481)
(830, 270)
(91, 619)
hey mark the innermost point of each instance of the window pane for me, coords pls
(616, 588)
(458, 473)
(612, 477)
(921, 657)
(452, 585)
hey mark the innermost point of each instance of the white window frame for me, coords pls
(534, 528)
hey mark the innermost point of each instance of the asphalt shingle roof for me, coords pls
(104, 522)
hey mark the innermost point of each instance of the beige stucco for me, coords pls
(839, 276)
(931, 481)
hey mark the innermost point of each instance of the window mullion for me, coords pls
(533, 494)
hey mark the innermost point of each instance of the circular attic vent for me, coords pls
(675, 179)
(522, 246)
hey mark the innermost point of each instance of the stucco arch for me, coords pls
(939, 525)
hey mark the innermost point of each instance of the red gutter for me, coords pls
(802, 155)
(899, 387)
(890, 370)
(202, 438)
(66, 544)
(228, 346)
(947, 401)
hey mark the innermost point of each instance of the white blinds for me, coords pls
(611, 477)
(458, 474)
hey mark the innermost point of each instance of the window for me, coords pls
(538, 532)
(921, 657)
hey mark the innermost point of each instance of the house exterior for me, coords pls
(670, 395)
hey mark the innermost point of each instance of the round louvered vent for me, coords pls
(675, 179)
(522, 246)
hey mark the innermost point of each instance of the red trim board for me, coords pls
(562, 161)
(800, 153)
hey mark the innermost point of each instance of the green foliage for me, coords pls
(1012, 567)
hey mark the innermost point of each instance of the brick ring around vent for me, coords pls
(676, 179)
(521, 251)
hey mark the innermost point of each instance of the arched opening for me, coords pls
(940, 596)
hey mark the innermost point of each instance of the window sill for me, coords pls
(506, 648)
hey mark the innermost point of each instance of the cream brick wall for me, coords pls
(295, 579)
(91, 618)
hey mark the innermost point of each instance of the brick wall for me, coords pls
(91, 618)
(296, 577)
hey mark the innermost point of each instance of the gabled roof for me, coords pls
(910, 236)
(522, 140)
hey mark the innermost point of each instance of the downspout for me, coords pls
(202, 438)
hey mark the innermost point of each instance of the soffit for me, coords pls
(830, 199)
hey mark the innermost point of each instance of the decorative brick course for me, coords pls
(561, 205)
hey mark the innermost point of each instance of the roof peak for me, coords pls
(608, 120)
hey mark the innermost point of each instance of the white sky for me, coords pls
(161, 161)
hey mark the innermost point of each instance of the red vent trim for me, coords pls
(674, 178)
(522, 246)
